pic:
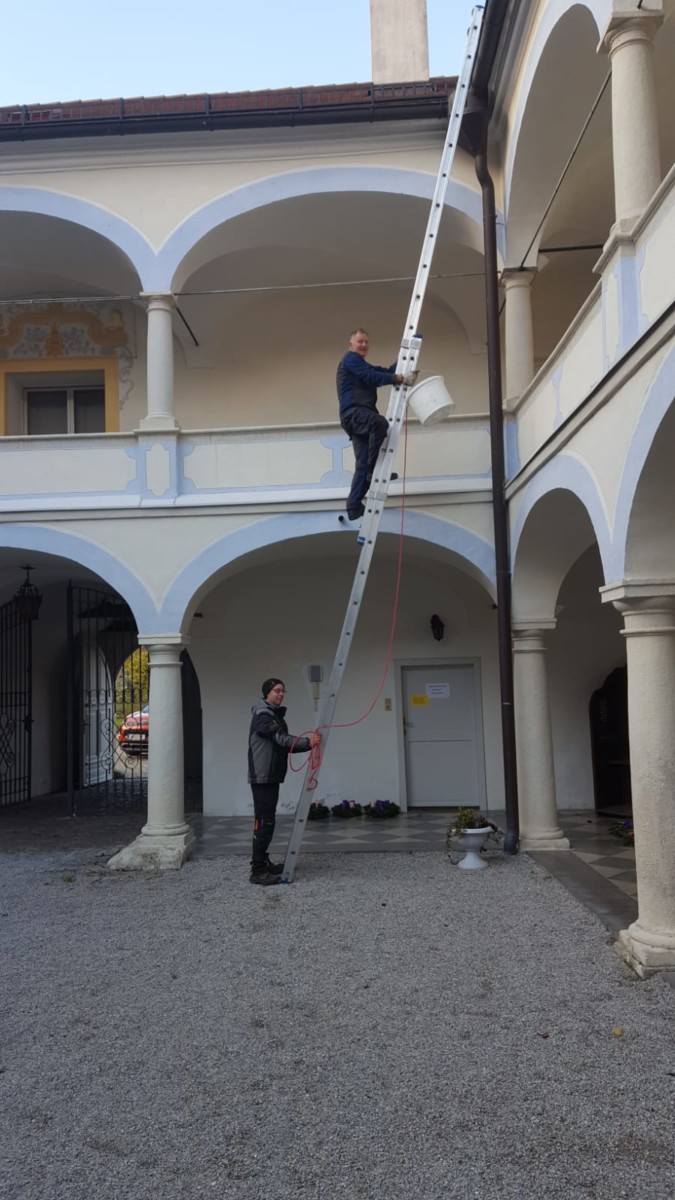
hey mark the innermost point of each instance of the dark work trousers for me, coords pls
(367, 430)
(265, 798)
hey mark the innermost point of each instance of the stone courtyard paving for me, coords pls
(387, 1026)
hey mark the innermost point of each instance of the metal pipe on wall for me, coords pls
(475, 130)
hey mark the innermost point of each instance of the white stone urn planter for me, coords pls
(469, 832)
(473, 841)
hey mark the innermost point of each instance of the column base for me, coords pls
(155, 852)
(646, 952)
(547, 839)
(159, 422)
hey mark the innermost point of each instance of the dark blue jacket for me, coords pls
(358, 381)
(269, 744)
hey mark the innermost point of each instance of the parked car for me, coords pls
(133, 732)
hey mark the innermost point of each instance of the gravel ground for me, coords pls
(388, 1026)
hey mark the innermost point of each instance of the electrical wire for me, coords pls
(562, 176)
(276, 287)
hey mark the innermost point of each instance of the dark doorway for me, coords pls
(608, 712)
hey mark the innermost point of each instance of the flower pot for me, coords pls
(473, 840)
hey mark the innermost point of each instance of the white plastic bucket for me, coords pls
(430, 400)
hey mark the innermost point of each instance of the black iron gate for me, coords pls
(16, 692)
(102, 637)
(108, 708)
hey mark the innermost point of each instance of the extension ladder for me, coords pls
(379, 488)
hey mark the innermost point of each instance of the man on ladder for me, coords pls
(402, 378)
(357, 384)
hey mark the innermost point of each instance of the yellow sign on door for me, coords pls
(419, 701)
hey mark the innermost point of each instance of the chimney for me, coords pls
(399, 41)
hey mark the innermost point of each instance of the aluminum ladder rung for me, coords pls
(375, 501)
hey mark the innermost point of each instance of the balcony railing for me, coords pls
(238, 467)
(636, 288)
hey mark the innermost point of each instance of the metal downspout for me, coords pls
(499, 510)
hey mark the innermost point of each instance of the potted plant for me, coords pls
(318, 811)
(346, 809)
(381, 809)
(474, 829)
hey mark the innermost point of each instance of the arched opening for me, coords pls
(608, 715)
(109, 708)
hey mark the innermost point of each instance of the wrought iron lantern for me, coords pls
(437, 628)
(28, 599)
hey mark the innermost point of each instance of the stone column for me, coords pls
(160, 363)
(649, 629)
(539, 828)
(635, 131)
(518, 337)
(166, 840)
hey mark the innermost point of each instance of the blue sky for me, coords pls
(76, 49)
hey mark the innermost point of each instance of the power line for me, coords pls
(280, 287)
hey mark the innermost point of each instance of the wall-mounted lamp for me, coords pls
(28, 599)
(437, 628)
(315, 672)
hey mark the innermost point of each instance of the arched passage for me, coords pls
(261, 604)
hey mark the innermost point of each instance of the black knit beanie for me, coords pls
(268, 685)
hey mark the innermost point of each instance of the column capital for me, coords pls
(535, 629)
(163, 640)
(628, 24)
(645, 594)
(165, 300)
(517, 276)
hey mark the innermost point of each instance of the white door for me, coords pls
(442, 731)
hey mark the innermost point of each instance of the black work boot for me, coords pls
(261, 875)
(355, 514)
(274, 868)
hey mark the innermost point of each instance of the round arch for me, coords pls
(560, 516)
(475, 555)
(179, 255)
(642, 541)
(118, 232)
(110, 568)
(582, 23)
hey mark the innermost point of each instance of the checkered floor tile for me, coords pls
(594, 845)
(406, 832)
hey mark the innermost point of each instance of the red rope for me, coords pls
(314, 759)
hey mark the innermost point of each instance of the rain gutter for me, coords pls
(475, 138)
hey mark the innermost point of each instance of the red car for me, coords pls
(133, 732)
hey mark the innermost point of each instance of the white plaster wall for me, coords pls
(178, 174)
(276, 357)
(655, 256)
(280, 618)
(611, 425)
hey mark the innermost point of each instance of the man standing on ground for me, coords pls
(269, 744)
(357, 384)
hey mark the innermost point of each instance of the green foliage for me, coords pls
(346, 809)
(318, 811)
(381, 809)
(132, 686)
(468, 818)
